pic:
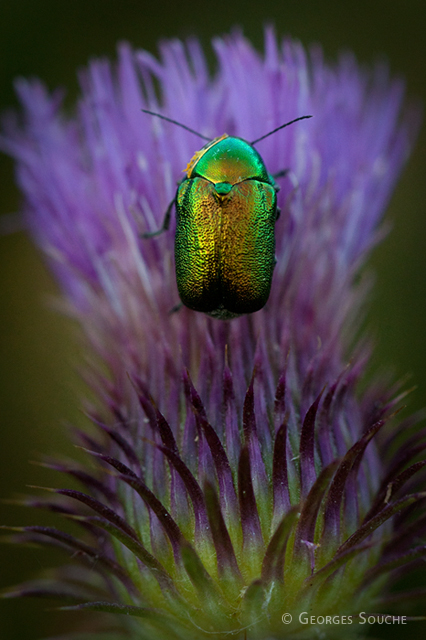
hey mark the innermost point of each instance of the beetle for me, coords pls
(226, 209)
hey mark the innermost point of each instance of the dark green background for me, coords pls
(39, 388)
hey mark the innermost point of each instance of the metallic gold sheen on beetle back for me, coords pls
(225, 241)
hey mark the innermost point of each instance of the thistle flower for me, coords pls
(238, 474)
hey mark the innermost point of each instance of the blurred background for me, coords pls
(39, 385)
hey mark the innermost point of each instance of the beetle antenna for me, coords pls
(280, 127)
(179, 124)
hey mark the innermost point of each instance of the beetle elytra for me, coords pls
(226, 209)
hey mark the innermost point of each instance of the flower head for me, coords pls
(238, 475)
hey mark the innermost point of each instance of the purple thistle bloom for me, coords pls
(239, 475)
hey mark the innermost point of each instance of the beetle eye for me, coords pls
(222, 188)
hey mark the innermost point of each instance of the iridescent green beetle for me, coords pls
(226, 208)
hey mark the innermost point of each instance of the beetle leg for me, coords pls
(280, 174)
(176, 308)
(164, 226)
(278, 213)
